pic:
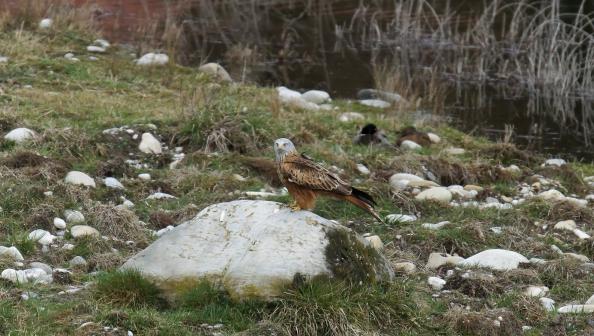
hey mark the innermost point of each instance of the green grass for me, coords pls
(128, 289)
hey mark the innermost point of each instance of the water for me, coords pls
(330, 45)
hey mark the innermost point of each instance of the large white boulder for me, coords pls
(316, 96)
(497, 259)
(253, 248)
(20, 135)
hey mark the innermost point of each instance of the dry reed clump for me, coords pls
(106, 261)
(65, 16)
(495, 322)
(34, 165)
(568, 176)
(449, 173)
(508, 153)
(117, 222)
(42, 216)
(564, 210)
(114, 167)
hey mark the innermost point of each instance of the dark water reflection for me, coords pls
(303, 45)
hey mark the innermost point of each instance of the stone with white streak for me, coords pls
(497, 259)
(252, 248)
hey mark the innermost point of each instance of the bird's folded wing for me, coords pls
(308, 174)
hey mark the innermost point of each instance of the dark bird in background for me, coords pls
(370, 134)
(410, 133)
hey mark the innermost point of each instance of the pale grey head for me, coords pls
(282, 147)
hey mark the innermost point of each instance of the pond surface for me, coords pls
(334, 45)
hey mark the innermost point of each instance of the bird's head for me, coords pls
(282, 147)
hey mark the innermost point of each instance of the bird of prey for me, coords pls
(306, 180)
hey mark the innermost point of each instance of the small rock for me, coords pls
(576, 256)
(410, 145)
(62, 276)
(217, 71)
(68, 247)
(496, 230)
(405, 267)
(435, 226)
(48, 193)
(153, 59)
(436, 283)
(454, 151)
(581, 234)
(45, 267)
(79, 178)
(20, 135)
(77, 261)
(11, 252)
(362, 169)
(436, 260)
(555, 162)
(3, 59)
(113, 183)
(144, 176)
(46, 23)
(32, 275)
(316, 96)
(59, 223)
(548, 304)
(74, 216)
(576, 309)
(472, 187)
(83, 230)
(95, 49)
(513, 169)
(378, 94)
(102, 43)
(377, 103)
(375, 242)
(350, 116)
(149, 144)
(536, 291)
(497, 259)
(398, 218)
(434, 138)
(41, 236)
(438, 194)
(401, 181)
(160, 195)
(551, 195)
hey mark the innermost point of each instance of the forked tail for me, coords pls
(364, 201)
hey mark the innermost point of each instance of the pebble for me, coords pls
(160, 195)
(46, 23)
(350, 116)
(83, 230)
(68, 247)
(20, 135)
(3, 59)
(434, 138)
(405, 267)
(454, 151)
(153, 59)
(548, 304)
(112, 182)
(497, 259)
(579, 257)
(102, 43)
(316, 96)
(42, 237)
(95, 49)
(436, 260)
(363, 169)
(74, 216)
(59, 223)
(11, 252)
(435, 226)
(217, 71)
(410, 145)
(438, 194)
(377, 103)
(436, 283)
(144, 176)
(375, 242)
(77, 261)
(551, 195)
(45, 267)
(149, 144)
(79, 178)
(401, 181)
(555, 162)
(536, 291)
(576, 309)
(399, 218)
(32, 275)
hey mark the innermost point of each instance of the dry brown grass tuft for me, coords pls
(484, 323)
(117, 222)
(106, 261)
(508, 153)
(42, 216)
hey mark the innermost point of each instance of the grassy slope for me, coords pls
(70, 104)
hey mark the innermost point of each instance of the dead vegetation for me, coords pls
(117, 222)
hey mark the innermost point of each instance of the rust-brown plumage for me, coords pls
(306, 180)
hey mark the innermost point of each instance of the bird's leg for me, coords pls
(294, 206)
